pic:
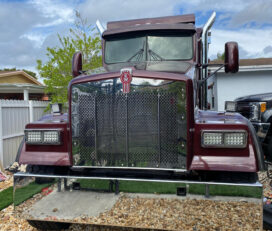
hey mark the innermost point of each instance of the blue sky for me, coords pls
(29, 26)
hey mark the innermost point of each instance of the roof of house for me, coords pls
(248, 65)
(248, 62)
(31, 79)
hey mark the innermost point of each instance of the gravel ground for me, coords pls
(165, 214)
(267, 189)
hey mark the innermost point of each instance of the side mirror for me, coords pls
(77, 64)
(231, 57)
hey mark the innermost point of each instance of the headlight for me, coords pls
(224, 139)
(33, 136)
(230, 106)
(43, 137)
(256, 110)
(212, 138)
(235, 139)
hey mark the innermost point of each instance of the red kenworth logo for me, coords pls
(126, 78)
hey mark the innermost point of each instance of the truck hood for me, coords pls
(214, 117)
(135, 73)
(255, 98)
(50, 118)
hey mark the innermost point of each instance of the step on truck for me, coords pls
(143, 119)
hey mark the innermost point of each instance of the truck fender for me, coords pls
(267, 116)
(259, 151)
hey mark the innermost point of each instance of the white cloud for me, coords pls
(253, 41)
(16, 19)
(26, 27)
(215, 5)
(110, 10)
(60, 12)
(258, 12)
(36, 38)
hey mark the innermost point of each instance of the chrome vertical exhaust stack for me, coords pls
(205, 31)
(99, 27)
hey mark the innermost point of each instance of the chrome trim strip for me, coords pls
(259, 151)
(256, 184)
(43, 129)
(135, 168)
(223, 145)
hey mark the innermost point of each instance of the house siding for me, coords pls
(231, 86)
(15, 79)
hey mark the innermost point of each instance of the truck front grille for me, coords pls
(144, 128)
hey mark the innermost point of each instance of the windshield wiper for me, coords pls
(155, 56)
(139, 54)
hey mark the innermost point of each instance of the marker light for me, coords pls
(230, 106)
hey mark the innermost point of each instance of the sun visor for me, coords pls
(150, 27)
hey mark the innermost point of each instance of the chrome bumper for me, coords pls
(261, 130)
(61, 199)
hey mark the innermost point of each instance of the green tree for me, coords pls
(57, 72)
(33, 74)
(220, 56)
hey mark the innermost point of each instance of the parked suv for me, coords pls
(258, 110)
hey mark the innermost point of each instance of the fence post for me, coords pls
(1, 140)
(31, 112)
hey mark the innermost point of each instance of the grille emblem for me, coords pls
(126, 78)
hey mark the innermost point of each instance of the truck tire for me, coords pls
(267, 217)
(40, 169)
(48, 225)
(268, 154)
(42, 180)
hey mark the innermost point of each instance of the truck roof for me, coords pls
(187, 18)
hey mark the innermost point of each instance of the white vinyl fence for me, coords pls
(14, 115)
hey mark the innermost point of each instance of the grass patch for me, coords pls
(28, 191)
(6, 198)
(170, 188)
(21, 194)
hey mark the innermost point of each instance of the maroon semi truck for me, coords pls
(145, 117)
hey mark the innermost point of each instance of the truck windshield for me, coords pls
(149, 48)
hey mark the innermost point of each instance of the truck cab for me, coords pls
(146, 113)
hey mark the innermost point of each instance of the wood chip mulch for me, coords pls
(267, 189)
(175, 214)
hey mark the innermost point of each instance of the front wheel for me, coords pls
(268, 153)
(48, 225)
(38, 169)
